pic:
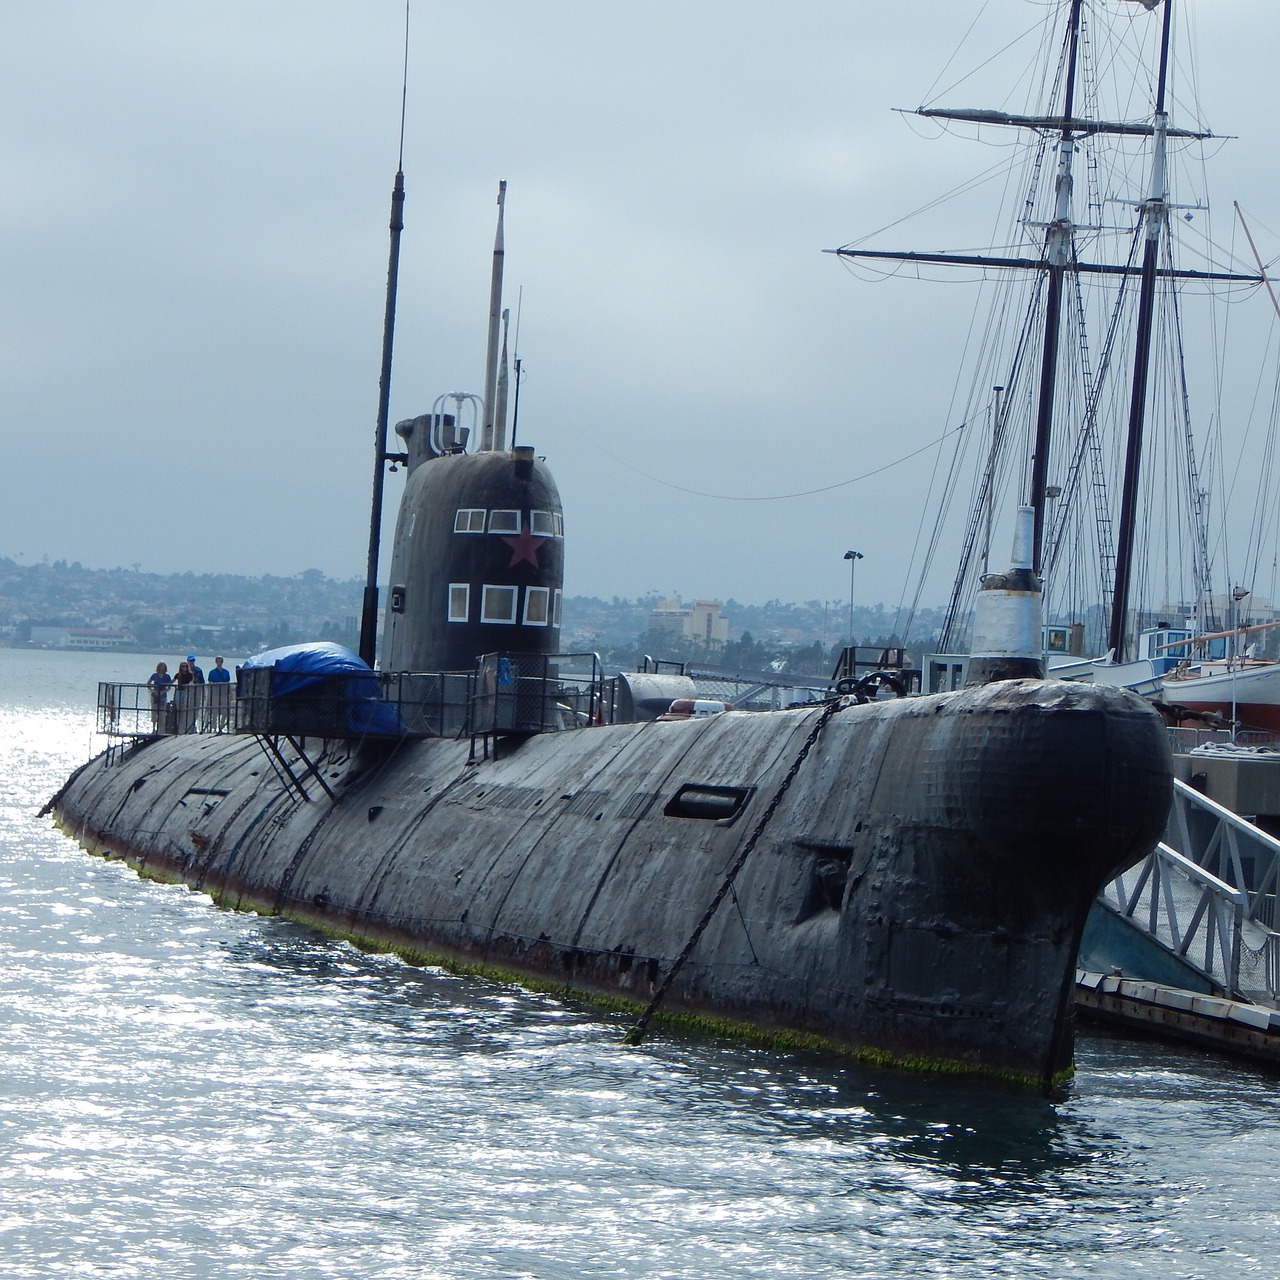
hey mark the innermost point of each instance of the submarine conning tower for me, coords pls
(478, 561)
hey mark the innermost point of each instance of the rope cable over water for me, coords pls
(780, 497)
(636, 1034)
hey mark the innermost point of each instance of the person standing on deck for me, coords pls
(197, 694)
(218, 699)
(158, 682)
(184, 713)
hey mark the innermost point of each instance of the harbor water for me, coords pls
(189, 1092)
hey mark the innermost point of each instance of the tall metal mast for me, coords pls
(501, 389)
(369, 609)
(1155, 213)
(369, 604)
(492, 432)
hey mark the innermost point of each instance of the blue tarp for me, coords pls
(299, 667)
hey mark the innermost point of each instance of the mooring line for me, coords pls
(636, 1034)
(746, 929)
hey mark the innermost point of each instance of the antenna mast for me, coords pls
(369, 609)
(491, 431)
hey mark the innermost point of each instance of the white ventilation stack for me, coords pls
(1008, 616)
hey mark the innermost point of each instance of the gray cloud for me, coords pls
(194, 218)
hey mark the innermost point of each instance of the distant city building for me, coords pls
(92, 638)
(701, 621)
(668, 618)
(1236, 609)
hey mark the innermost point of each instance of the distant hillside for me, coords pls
(239, 614)
(170, 611)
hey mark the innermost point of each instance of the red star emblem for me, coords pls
(524, 547)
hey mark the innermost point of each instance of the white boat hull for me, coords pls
(1248, 695)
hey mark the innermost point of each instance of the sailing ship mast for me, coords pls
(1057, 264)
(1155, 215)
(1059, 246)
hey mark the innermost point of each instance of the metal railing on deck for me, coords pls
(139, 711)
(540, 692)
(506, 693)
(377, 704)
(1191, 912)
(1186, 740)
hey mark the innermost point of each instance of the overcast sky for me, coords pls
(194, 210)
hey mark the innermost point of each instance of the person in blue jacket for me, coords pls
(218, 698)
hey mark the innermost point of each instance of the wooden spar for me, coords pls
(1217, 635)
(1257, 257)
(1036, 264)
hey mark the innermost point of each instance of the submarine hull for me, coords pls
(917, 880)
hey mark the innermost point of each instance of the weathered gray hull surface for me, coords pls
(918, 893)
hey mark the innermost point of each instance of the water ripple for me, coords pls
(188, 1092)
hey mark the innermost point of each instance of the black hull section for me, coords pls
(917, 894)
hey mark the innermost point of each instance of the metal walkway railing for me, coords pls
(139, 711)
(505, 693)
(1207, 894)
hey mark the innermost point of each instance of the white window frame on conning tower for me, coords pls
(542, 524)
(543, 596)
(469, 520)
(500, 521)
(491, 594)
(459, 592)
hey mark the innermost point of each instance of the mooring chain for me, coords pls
(636, 1034)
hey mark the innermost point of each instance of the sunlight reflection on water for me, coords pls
(189, 1092)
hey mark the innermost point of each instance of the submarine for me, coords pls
(901, 879)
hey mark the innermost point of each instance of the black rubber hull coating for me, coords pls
(917, 895)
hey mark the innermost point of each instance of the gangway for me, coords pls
(1185, 942)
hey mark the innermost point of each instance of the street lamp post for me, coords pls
(852, 557)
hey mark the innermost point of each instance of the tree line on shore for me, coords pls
(239, 614)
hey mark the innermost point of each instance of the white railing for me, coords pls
(1221, 841)
(1207, 894)
(1187, 909)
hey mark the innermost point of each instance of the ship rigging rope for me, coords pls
(780, 497)
(636, 1034)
